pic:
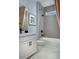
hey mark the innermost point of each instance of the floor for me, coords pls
(50, 49)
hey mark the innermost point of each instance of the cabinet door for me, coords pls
(23, 50)
(27, 47)
(32, 45)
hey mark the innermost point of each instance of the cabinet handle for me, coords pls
(30, 43)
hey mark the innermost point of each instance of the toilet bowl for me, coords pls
(40, 42)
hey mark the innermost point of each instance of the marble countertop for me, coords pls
(26, 34)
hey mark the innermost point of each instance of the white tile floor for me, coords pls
(50, 49)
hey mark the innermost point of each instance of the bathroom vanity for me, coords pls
(27, 45)
(27, 36)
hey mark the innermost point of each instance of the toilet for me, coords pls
(40, 42)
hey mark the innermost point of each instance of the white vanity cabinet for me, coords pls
(27, 46)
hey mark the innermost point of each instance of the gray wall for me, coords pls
(51, 27)
(47, 23)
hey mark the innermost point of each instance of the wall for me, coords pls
(49, 8)
(47, 23)
(31, 6)
(51, 27)
(40, 19)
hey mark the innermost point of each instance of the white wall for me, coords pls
(49, 8)
(51, 27)
(40, 19)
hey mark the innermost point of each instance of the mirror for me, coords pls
(27, 21)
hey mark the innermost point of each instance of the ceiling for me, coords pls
(46, 3)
